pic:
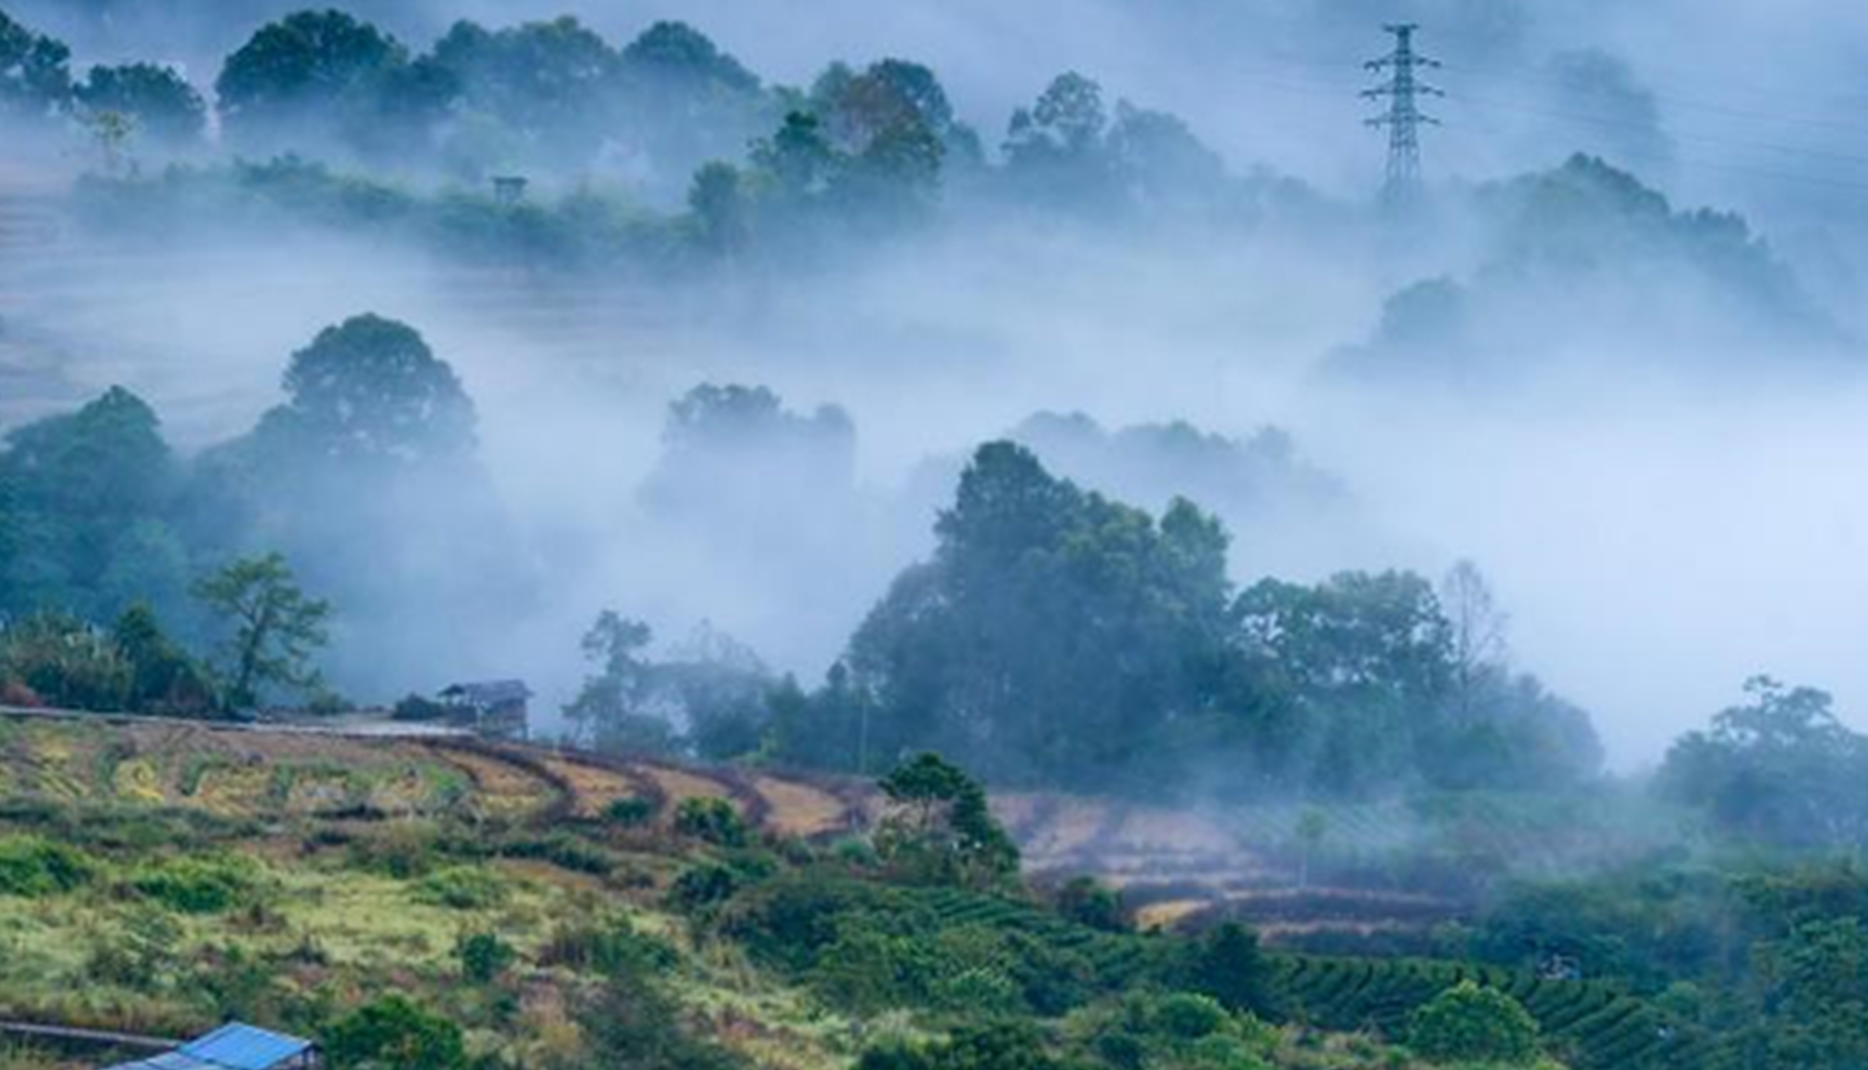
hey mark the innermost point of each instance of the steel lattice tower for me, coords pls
(1404, 118)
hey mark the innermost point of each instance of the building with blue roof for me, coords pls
(235, 1046)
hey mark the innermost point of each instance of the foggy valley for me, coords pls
(1314, 534)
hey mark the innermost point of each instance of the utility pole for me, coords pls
(1403, 118)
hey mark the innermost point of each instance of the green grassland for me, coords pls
(160, 879)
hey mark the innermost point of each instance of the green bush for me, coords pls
(613, 948)
(462, 888)
(1010, 1046)
(1228, 966)
(483, 956)
(1086, 902)
(704, 886)
(394, 1034)
(1470, 1024)
(191, 885)
(712, 820)
(632, 812)
(31, 866)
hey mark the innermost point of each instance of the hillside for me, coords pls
(1178, 868)
(159, 877)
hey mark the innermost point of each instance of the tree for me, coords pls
(1815, 988)
(1056, 637)
(1781, 768)
(1477, 632)
(157, 99)
(610, 712)
(891, 127)
(1472, 1024)
(89, 495)
(1055, 149)
(1086, 902)
(940, 829)
(717, 686)
(370, 393)
(677, 52)
(1161, 163)
(633, 1024)
(483, 956)
(552, 84)
(274, 628)
(111, 132)
(1229, 966)
(309, 67)
(35, 72)
(164, 679)
(718, 203)
(798, 162)
(393, 1033)
(685, 102)
(998, 1046)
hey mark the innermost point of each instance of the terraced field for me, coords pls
(241, 772)
(1595, 1025)
(1179, 869)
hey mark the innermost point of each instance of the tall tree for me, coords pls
(370, 391)
(552, 85)
(164, 107)
(611, 711)
(939, 829)
(1055, 636)
(90, 493)
(301, 72)
(35, 71)
(274, 629)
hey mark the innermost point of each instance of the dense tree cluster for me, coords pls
(271, 630)
(860, 151)
(1779, 769)
(1062, 639)
(37, 85)
(1584, 257)
(707, 697)
(367, 466)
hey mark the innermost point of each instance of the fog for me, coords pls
(1661, 482)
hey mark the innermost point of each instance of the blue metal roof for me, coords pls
(238, 1046)
(235, 1046)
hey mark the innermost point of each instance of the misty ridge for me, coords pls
(489, 326)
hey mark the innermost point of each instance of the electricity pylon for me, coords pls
(1403, 118)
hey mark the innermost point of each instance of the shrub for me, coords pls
(704, 886)
(195, 885)
(67, 662)
(564, 851)
(1088, 903)
(138, 953)
(14, 693)
(712, 820)
(405, 850)
(462, 888)
(613, 949)
(632, 812)
(1011, 1046)
(418, 708)
(33, 867)
(1228, 966)
(1470, 1024)
(394, 1034)
(483, 956)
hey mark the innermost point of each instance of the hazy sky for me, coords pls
(1657, 539)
